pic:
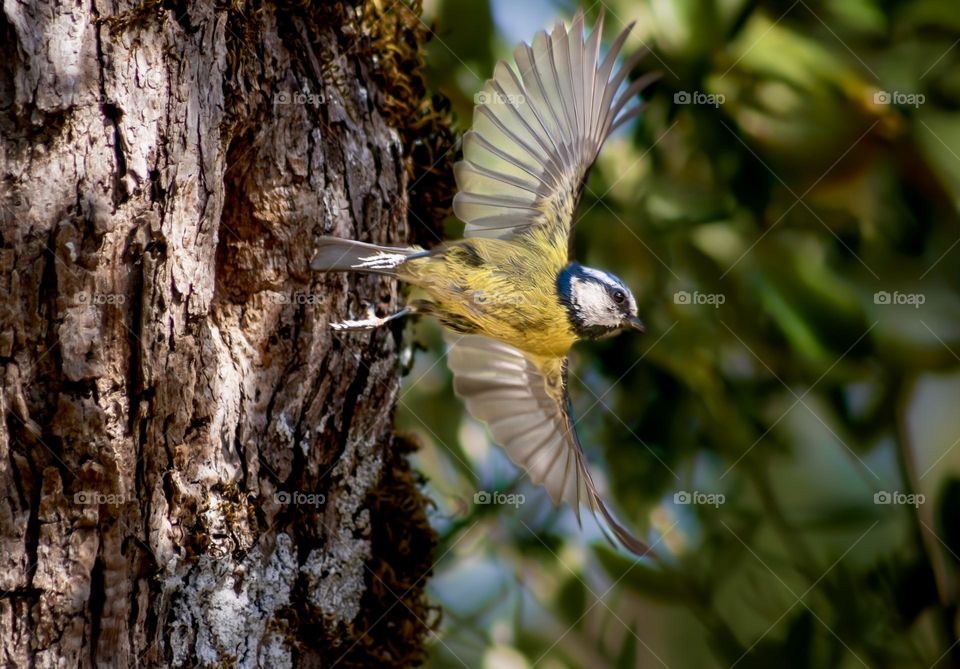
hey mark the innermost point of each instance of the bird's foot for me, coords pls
(371, 322)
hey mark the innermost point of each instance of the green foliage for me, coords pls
(792, 240)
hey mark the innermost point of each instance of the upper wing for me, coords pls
(535, 136)
(527, 409)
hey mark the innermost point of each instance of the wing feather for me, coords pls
(506, 83)
(481, 178)
(508, 139)
(575, 62)
(485, 154)
(526, 406)
(562, 71)
(538, 130)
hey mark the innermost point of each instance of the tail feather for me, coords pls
(345, 255)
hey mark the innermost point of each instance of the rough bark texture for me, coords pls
(194, 470)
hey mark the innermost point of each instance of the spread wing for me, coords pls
(526, 406)
(536, 133)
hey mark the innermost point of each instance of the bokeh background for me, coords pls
(787, 432)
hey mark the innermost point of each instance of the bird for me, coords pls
(509, 294)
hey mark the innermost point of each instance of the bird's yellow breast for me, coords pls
(504, 289)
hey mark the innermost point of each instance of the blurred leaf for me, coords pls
(929, 13)
(641, 578)
(783, 90)
(572, 600)
(949, 518)
(799, 642)
(627, 658)
(813, 306)
(938, 136)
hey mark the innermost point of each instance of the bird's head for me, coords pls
(598, 303)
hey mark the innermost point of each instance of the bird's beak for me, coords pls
(635, 323)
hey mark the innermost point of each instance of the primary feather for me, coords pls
(524, 400)
(537, 131)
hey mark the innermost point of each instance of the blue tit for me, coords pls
(508, 294)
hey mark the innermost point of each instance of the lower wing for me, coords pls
(526, 405)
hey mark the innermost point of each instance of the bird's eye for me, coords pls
(618, 296)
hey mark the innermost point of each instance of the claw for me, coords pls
(371, 322)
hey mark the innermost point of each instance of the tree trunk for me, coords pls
(194, 470)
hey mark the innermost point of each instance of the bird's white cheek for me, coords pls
(593, 303)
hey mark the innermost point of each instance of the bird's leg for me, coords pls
(372, 321)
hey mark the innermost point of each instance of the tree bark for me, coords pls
(194, 470)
